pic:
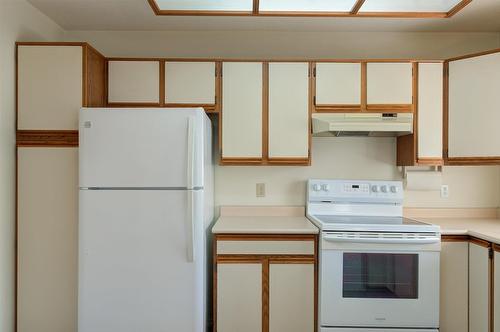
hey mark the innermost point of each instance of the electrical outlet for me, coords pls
(445, 191)
(260, 190)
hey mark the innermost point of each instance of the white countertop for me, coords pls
(264, 225)
(486, 229)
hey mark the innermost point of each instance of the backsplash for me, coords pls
(352, 158)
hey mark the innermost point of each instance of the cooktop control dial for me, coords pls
(346, 190)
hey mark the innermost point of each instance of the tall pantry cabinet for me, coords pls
(53, 81)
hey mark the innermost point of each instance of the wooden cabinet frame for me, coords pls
(363, 106)
(209, 108)
(94, 94)
(457, 161)
(265, 160)
(491, 248)
(407, 145)
(265, 260)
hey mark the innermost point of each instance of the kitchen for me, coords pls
(47, 237)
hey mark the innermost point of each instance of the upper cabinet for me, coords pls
(134, 82)
(242, 111)
(54, 80)
(473, 110)
(430, 113)
(389, 85)
(289, 112)
(190, 83)
(338, 86)
(424, 146)
(265, 113)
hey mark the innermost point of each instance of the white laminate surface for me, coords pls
(486, 229)
(264, 225)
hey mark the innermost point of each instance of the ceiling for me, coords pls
(478, 16)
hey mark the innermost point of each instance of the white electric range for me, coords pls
(379, 271)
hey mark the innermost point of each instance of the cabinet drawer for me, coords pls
(268, 247)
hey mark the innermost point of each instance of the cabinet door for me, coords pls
(496, 292)
(134, 82)
(190, 82)
(242, 110)
(47, 239)
(239, 297)
(389, 83)
(289, 110)
(338, 84)
(478, 288)
(291, 297)
(474, 104)
(50, 80)
(430, 110)
(454, 304)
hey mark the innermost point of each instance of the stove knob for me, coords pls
(325, 187)
(317, 187)
(375, 189)
(383, 189)
(394, 189)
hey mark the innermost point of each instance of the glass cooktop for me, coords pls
(363, 220)
(371, 223)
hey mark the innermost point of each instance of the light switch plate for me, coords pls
(260, 190)
(445, 191)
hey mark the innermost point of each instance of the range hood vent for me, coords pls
(362, 124)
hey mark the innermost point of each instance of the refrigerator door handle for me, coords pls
(191, 150)
(190, 226)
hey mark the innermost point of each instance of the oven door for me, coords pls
(379, 280)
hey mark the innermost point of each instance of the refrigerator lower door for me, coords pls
(141, 261)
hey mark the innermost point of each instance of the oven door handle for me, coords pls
(430, 240)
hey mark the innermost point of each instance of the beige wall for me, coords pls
(352, 158)
(277, 44)
(370, 158)
(18, 21)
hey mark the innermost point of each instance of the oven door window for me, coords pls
(380, 275)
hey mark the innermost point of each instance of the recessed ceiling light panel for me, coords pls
(306, 5)
(414, 6)
(206, 5)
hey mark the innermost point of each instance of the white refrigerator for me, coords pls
(146, 202)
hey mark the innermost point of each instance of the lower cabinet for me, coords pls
(470, 285)
(265, 283)
(454, 306)
(47, 221)
(479, 286)
(291, 297)
(496, 289)
(239, 296)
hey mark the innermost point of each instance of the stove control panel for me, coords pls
(355, 191)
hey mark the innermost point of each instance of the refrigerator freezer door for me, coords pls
(148, 148)
(141, 261)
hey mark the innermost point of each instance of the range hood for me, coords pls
(362, 124)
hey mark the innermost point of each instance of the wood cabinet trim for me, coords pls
(265, 237)
(265, 112)
(480, 242)
(473, 55)
(47, 138)
(455, 238)
(430, 161)
(472, 161)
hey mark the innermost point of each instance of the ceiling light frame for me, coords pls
(354, 12)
